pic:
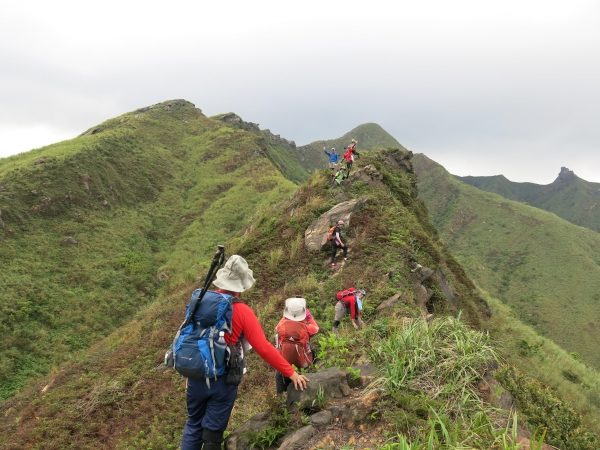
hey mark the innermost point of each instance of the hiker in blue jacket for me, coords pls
(333, 158)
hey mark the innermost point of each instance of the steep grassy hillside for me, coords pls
(118, 394)
(128, 401)
(569, 196)
(546, 269)
(135, 194)
(281, 152)
(368, 135)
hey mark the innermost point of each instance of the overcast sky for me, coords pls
(482, 87)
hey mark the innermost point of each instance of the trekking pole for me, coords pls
(216, 263)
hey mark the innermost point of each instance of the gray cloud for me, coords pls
(482, 87)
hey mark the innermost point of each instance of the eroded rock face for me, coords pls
(332, 381)
(315, 236)
(440, 280)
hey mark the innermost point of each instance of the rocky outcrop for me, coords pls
(423, 276)
(69, 242)
(369, 174)
(236, 121)
(347, 407)
(315, 236)
(565, 175)
(331, 383)
(39, 161)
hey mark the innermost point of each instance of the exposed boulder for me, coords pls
(333, 383)
(315, 236)
(397, 159)
(359, 410)
(34, 192)
(39, 161)
(237, 439)
(422, 295)
(367, 374)
(441, 282)
(298, 438)
(389, 303)
(69, 242)
(369, 174)
(321, 419)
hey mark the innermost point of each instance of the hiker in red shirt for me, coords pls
(294, 331)
(349, 160)
(350, 303)
(209, 406)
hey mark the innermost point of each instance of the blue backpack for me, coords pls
(199, 348)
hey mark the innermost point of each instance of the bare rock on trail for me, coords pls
(298, 438)
(332, 381)
(315, 236)
(237, 440)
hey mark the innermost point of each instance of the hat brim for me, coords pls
(297, 318)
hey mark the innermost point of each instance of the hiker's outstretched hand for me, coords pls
(299, 381)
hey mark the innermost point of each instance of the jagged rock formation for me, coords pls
(565, 175)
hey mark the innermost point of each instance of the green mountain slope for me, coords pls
(135, 195)
(569, 196)
(118, 394)
(368, 135)
(546, 269)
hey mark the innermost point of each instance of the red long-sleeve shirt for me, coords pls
(350, 300)
(244, 320)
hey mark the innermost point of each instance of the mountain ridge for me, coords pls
(568, 196)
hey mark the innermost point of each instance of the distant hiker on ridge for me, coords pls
(352, 148)
(335, 236)
(349, 302)
(294, 331)
(209, 405)
(333, 158)
(349, 159)
(338, 176)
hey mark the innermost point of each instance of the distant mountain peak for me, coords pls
(565, 175)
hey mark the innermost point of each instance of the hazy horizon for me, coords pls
(482, 88)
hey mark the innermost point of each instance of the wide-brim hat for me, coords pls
(235, 276)
(295, 309)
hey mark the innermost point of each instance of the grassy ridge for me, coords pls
(369, 136)
(127, 401)
(569, 197)
(546, 269)
(117, 394)
(136, 195)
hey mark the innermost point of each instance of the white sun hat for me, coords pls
(235, 276)
(295, 309)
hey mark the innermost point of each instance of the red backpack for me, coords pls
(293, 343)
(340, 295)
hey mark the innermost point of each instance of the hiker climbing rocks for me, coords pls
(349, 159)
(349, 302)
(209, 405)
(335, 236)
(338, 176)
(294, 331)
(333, 158)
